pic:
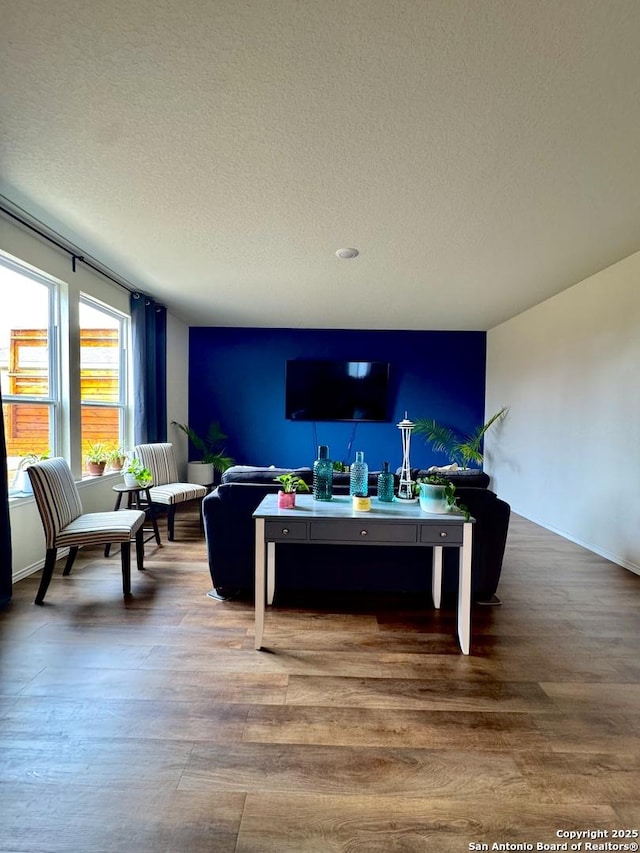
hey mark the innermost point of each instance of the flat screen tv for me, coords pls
(329, 390)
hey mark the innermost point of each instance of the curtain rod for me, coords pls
(72, 252)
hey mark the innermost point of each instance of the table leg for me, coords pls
(436, 576)
(464, 589)
(260, 582)
(152, 513)
(271, 572)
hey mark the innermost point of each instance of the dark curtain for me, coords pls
(149, 338)
(5, 524)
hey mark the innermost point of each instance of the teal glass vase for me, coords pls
(359, 477)
(385, 484)
(323, 475)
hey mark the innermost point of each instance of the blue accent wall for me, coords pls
(236, 376)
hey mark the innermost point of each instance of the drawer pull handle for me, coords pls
(285, 530)
(443, 534)
(363, 533)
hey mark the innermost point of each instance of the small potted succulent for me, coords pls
(291, 484)
(96, 457)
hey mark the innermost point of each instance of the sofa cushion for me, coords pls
(342, 479)
(468, 477)
(263, 475)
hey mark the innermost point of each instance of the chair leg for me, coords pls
(73, 553)
(107, 547)
(140, 549)
(171, 517)
(47, 573)
(125, 553)
(154, 523)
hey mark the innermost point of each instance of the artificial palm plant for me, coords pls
(209, 446)
(460, 448)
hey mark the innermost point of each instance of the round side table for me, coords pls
(134, 501)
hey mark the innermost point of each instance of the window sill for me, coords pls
(20, 497)
(24, 497)
(92, 478)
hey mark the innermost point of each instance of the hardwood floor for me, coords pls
(151, 724)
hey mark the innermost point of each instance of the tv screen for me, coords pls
(323, 390)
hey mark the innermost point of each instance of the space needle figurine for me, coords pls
(405, 489)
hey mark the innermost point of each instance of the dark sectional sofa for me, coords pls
(229, 531)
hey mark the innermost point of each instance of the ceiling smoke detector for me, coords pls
(347, 254)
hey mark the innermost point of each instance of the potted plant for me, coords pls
(461, 449)
(96, 457)
(21, 481)
(117, 459)
(213, 456)
(291, 483)
(438, 495)
(137, 475)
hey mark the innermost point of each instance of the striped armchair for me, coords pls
(65, 524)
(167, 491)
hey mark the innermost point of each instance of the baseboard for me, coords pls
(589, 546)
(36, 567)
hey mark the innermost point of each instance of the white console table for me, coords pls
(336, 523)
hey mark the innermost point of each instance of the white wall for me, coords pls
(26, 530)
(178, 388)
(567, 456)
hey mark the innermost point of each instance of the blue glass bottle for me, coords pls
(359, 477)
(385, 484)
(323, 475)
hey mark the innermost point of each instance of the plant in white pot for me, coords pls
(136, 475)
(438, 495)
(213, 456)
(21, 482)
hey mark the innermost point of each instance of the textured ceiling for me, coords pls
(482, 155)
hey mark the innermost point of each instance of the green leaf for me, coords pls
(291, 483)
(210, 452)
(459, 448)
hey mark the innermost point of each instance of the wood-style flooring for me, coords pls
(152, 724)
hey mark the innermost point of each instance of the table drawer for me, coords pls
(285, 530)
(363, 532)
(441, 534)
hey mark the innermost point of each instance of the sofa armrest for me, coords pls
(229, 530)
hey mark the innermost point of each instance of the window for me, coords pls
(38, 413)
(29, 365)
(102, 375)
